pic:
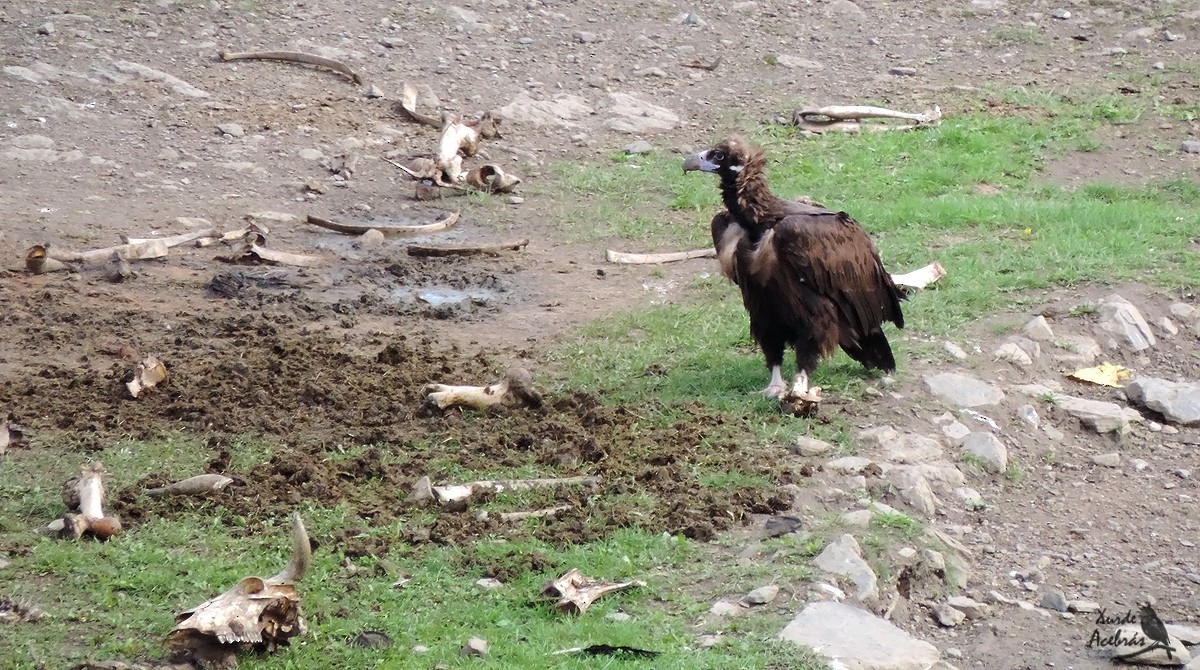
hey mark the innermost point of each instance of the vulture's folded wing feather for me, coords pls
(831, 254)
(727, 233)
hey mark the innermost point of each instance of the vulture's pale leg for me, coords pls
(777, 387)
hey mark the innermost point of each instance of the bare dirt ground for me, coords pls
(94, 148)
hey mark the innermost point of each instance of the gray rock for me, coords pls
(525, 40)
(956, 431)
(948, 616)
(724, 608)
(638, 148)
(310, 154)
(392, 42)
(970, 497)
(762, 595)
(1177, 402)
(231, 129)
(31, 142)
(1061, 14)
(1187, 634)
(811, 446)
(565, 111)
(903, 71)
(878, 437)
(858, 518)
(1167, 327)
(1013, 353)
(988, 449)
(1119, 317)
(585, 37)
(1038, 329)
(1184, 311)
(797, 63)
(1054, 600)
(781, 525)
(954, 350)
(150, 74)
(486, 583)
(844, 557)
(848, 465)
(1190, 147)
(1109, 460)
(1135, 641)
(475, 646)
(617, 616)
(33, 155)
(1085, 349)
(914, 449)
(46, 28)
(843, 7)
(1083, 606)
(855, 638)
(374, 92)
(4, 564)
(987, 5)
(691, 19)
(630, 114)
(25, 74)
(709, 641)
(273, 217)
(1100, 416)
(913, 489)
(420, 649)
(1029, 415)
(971, 608)
(963, 390)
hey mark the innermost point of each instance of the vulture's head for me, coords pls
(727, 159)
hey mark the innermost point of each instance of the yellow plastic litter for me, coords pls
(1106, 374)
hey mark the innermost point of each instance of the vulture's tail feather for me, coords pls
(874, 352)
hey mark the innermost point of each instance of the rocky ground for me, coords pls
(1043, 498)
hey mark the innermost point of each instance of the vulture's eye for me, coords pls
(716, 156)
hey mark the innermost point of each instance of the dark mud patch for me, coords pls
(348, 427)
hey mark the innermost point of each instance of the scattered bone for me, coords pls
(576, 593)
(345, 164)
(192, 486)
(174, 240)
(492, 179)
(516, 387)
(919, 279)
(10, 434)
(428, 189)
(256, 614)
(653, 259)
(38, 261)
(87, 491)
(293, 57)
(418, 168)
(460, 137)
(254, 251)
(801, 400)
(408, 105)
(38, 257)
(359, 229)
(467, 250)
(535, 514)
(424, 490)
(149, 373)
(701, 65)
(848, 119)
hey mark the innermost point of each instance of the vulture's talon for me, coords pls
(775, 390)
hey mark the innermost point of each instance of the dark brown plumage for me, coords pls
(810, 277)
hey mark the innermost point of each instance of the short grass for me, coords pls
(117, 600)
(964, 193)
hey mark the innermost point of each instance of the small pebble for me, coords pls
(515, 200)
(1190, 147)
(46, 29)
(618, 616)
(420, 649)
(638, 148)
(1061, 14)
(903, 71)
(525, 40)
(584, 37)
(476, 646)
(231, 129)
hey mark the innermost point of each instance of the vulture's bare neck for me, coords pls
(750, 200)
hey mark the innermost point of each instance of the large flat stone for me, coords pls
(857, 639)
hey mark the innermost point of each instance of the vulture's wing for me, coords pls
(726, 234)
(830, 253)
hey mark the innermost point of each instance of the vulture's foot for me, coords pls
(777, 387)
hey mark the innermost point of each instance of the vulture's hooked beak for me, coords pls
(699, 162)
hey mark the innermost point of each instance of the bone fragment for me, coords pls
(576, 593)
(516, 387)
(293, 57)
(192, 486)
(149, 373)
(467, 250)
(142, 250)
(448, 493)
(859, 112)
(38, 261)
(88, 492)
(671, 257)
(357, 229)
(408, 105)
(492, 179)
(174, 240)
(920, 278)
(256, 614)
(534, 514)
